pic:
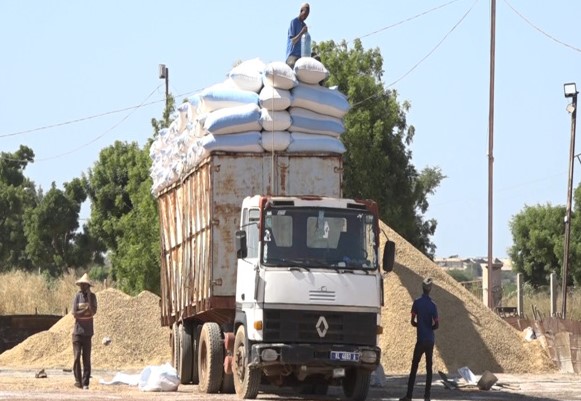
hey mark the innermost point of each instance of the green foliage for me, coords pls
(51, 229)
(124, 215)
(460, 275)
(136, 260)
(17, 194)
(377, 163)
(537, 249)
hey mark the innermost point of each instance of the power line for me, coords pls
(91, 117)
(131, 109)
(540, 30)
(408, 19)
(422, 59)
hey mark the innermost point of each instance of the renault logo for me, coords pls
(322, 326)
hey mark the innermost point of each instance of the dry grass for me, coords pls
(28, 293)
(541, 301)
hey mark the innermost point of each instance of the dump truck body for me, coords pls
(199, 217)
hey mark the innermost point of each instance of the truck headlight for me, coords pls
(269, 355)
(368, 356)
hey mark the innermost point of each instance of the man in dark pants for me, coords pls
(84, 308)
(425, 318)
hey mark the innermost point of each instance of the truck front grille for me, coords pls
(319, 327)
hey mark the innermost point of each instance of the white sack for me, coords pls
(248, 75)
(310, 71)
(279, 75)
(274, 98)
(215, 98)
(159, 378)
(312, 143)
(241, 143)
(320, 99)
(233, 119)
(274, 120)
(304, 120)
(276, 141)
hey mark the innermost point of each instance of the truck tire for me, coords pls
(246, 380)
(228, 384)
(356, 384)
(175, 346)
(210, 359)
(185, 353)
(197, 329)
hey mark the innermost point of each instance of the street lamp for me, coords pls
(164, 74)
(570, 91)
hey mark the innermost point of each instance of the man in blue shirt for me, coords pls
(295, 32)
(425, 319)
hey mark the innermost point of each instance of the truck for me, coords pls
(270, 277)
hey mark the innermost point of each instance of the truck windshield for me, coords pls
(315, 237)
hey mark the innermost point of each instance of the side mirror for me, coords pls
(388, 256)
(241, 247)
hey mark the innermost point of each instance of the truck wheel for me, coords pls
(356, 384)
(210, 358)
(185, 354)
(227, 384)
(197, 329)
(246, 380)
(175, 348)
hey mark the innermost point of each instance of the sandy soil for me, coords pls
(21, 385)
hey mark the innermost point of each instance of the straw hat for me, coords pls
(84, 280)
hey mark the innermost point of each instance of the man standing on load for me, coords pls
(295, 32)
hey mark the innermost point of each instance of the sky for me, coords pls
(76, 76)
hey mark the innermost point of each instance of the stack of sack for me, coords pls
(258, 108)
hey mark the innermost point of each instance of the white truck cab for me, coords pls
(309, 292)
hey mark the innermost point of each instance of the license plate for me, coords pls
(344, 356)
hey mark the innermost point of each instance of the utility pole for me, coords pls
(164, 74)
(570, 91)
(491, 146)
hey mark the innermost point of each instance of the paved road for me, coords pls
(20, 385)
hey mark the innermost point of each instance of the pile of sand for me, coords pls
(470, 334)
(132, 323)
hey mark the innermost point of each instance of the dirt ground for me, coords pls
(20, 385)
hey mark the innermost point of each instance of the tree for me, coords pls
(537, 249)
(51, 229)
(377, 163)
(124, 213)
(136, 260)
(17, 194)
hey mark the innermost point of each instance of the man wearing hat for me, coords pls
(425, 319)
(295, 32)
(84, 308)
